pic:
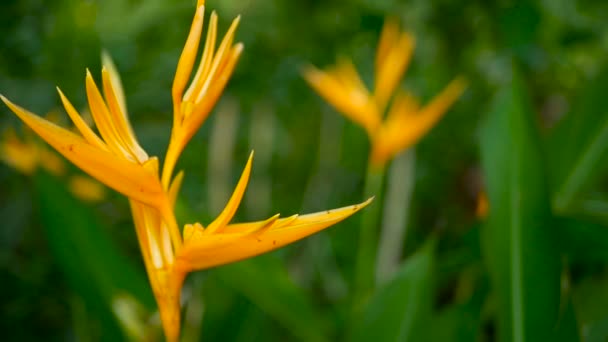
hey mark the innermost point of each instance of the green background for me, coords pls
(531, 130)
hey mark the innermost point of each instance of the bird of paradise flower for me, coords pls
(115, 158)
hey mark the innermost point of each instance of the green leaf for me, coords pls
(401, 310)
(517, 240)
(265, 282)
(582, 241)
(579, 144)
(91, 262)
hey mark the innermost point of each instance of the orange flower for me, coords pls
(117, 160)
(406, 121)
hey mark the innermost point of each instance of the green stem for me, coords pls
(368, 237)
(396, 206)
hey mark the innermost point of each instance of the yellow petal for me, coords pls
(233, 204)
(104, 121)
(203, 108)
(186, 59)
(120, 119)
(128, 178)
(388, 37)
(108, 64)
(392, 66)
(219, 60)
(206, 59)
(239, 242)
(401, 134)
(347, 97)
(82, 126)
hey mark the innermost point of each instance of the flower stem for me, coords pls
(368, 237)
(399, 188)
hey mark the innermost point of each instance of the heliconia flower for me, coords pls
(117, 160)
(26, 155)
(406, 121)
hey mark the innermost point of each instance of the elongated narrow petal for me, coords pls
(233, 204)
(390, 69)
(81, 125)
(219, 60)
(202, 109)
(120, 119)
(206, 58)
(388, 37)
(240, 241)
(403, 133)
(186, 60)
(348, 98)
(108, 64)
(119, 174)
(104, 121)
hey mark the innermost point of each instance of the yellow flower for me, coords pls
(86, 188)
(117, 160)
(406, 122)
(26, 155)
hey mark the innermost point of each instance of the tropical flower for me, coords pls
(116, 159)
(27, 155)
(406, 121)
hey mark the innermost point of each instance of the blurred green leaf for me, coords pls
(401, 310)
(93, 265)
(458, 323)
(590, 299)
(517, 240)
(265, 282)
(582, 241)
(579, 143)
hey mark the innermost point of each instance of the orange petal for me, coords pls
(119, 118)
(390, 70)
(239, 241)
(104, 122)
(347, 97)
(233, 204)
(119, 174)
(206, 58)
(82, 126)
(409, 128)
(186, 59)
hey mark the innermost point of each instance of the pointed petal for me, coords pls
(235, 200)
(82, 126)
(203, 108)
(206, 59)
(391, 68)
(219, 60)
(349, 99)
(119, 174)
(119, 118)
(108, 64)
(186, 59)
(103, 120)
(404, 133)
(218, 249)
(388, 37)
